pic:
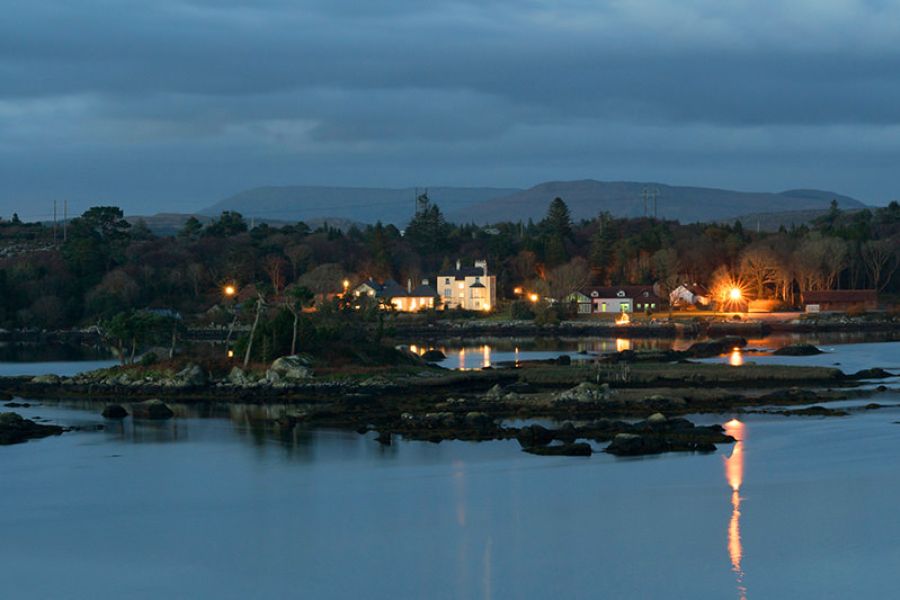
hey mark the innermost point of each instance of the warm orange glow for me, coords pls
(517, 356)
(346, 283)
(622, 345)
(231, 354)
(486, 307)
(623, 319)
(462, 358)
(534, 297)
(736, 359)
(734, 474)
(517, 291)
(229, 290)
(731, 294)
(486, 356)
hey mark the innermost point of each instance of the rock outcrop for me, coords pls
(15, 429)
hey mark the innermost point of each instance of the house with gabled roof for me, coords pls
(469, 288)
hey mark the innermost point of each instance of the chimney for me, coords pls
(409, 286)
(424, 282)
(458, 264)
(482, 264)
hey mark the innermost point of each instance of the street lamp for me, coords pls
(229, 290)
(735, 294)
(534, 297)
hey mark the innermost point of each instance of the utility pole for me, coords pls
(649, 194)
(65, 220)
(54, 220)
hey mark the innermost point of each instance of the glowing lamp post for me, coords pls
(230, 292)
(534, 298)
(735, 294)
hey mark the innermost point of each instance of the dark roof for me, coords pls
(637, 292)
(477, 284)
(848, 296)
(463, 272)
(423, 291)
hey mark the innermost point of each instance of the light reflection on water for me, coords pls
(734, 474)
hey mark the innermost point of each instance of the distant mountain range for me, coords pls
(368, 205)
(585, 198)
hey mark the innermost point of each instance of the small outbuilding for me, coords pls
(840, 300)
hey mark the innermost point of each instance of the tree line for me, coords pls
(107, 266)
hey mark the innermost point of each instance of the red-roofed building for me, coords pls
(840, 300)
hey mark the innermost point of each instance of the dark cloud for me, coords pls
(172, 104)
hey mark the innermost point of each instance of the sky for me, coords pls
(171, 105)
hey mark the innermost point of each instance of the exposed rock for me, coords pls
(17, 405)
(494, 394)
(15, 429)
(656, 419)
(790, 396)
(584, 392)
(715, 347)
(534, 435)
(434, 356)
(873, 373)
(797, 350)
(289, 368)
(479, 420)
(151, 409)
(237, 377)
(573, 449)
(48, 379)
(192, 375)
(114, 411)
(815, 411)
(872, 406)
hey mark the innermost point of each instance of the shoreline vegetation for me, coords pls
(635, 401)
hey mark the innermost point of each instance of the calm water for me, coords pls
(222, 507)
(489, 351)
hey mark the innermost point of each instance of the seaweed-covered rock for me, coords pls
(114, 411)
(152, 409)
(715, 347)
(873, 373)
(15, 429)
(48, 379)
(797, 350)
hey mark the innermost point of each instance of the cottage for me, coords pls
(840, 300)
(470, 288)
(582, 302)
(405, 300)
(690, 294)
(623, 299)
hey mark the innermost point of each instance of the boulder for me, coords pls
(479, 420)
(15, 429)
(433, 356)
(657, 419)
(114, 411)
(152, 409)
(290, 368)
(494, 394)
(583, 392)
(237, 377)
(630, 444)
(715, 347)
(873, 373)
(574, 449)
(192, 375)
(797, 350)
(534, 435)
(48, 379)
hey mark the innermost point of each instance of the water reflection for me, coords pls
(736, 359)
(734, 474)
(622, 344)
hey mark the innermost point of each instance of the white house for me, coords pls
(470, 288)
(692, 294)
(627, 298)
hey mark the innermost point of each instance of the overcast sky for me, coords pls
(172, 105)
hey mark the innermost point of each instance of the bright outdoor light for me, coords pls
(533, 297)
(735, 294)
(230, 290)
